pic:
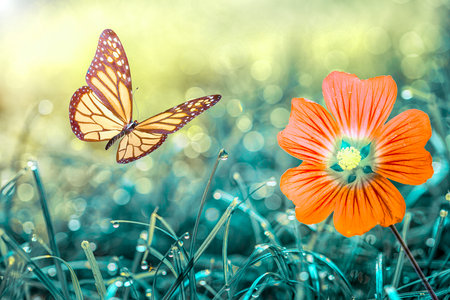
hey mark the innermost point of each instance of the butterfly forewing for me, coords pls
(90, 119)
(175, 118)
(109, 75)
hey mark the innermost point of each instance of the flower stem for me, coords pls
(413, 262)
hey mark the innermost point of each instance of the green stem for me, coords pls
(49, 225)
(414, 263)
(221, 156)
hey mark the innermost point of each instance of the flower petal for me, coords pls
(360, 107)
(311, 132)
(362, 206)
(312, 190)
(399, 151)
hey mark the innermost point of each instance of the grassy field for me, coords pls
(203, 216)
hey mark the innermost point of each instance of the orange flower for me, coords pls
(349, 155)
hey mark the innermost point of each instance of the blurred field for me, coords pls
(258, 55)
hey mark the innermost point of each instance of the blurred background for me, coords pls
(257, 54)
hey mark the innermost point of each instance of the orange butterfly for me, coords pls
(102, 110)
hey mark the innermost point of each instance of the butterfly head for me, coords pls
(130, 126)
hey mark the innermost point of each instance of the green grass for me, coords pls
(284, 259)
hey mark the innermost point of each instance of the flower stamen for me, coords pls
(348, 158)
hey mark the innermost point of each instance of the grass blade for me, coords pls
(151, 231)
(226, 264)
(34, 267)
(99, 283)
(379, 277)
(49, 226)
(202, 248)
(75, 282)
(401, 254)
(223, 155)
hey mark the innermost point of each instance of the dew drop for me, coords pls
(148, 293)
(144, 265)
(112, 268)
(141, 247)
(223, 155)
(51, 272)
(34, 238)
(124, 272)
(32, 165)
(128, 283)
(271, 182)
(115, 224)
(187, 236)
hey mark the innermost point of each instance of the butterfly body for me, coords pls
(126, 130)
(102, 110)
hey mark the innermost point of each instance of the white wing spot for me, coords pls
(109, 58)
(116, 55)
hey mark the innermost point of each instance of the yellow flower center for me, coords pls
(348, 158)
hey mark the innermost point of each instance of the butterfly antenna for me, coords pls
(135, 107)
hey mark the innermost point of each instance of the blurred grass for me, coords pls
(258, 55)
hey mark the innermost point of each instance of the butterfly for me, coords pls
(102, 110)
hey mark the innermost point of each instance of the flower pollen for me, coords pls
(348, 158)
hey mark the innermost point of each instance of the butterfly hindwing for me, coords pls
(138, 144)
(90, 119)
(175, 118)
(109, 75)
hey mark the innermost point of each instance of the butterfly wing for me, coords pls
(151, 133)
(109, 76)
(90, 119)
(175, 118)
(138, 144)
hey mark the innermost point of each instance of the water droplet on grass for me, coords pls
(128, 283)
(271, 182)
(148, 293)
(223, 155)
(144, 265)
